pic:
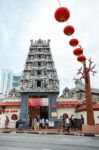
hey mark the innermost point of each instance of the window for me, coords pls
(39, 72)
(38, 83)
(39, 64)
(39, 56)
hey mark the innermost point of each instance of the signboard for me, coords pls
(37, 102)
(54, 114)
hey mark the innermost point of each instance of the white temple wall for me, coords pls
(8, 112)
(69, 111)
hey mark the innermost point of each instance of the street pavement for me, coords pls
(46, 131)
(24, 141)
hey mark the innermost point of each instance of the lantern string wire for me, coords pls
(67, 24)
(59, 2)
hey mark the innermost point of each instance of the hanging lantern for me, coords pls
(73, 42)
(81, 58)
(69, 30)
(62, 14)
(78, 51)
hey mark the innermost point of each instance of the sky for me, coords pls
(23, 20)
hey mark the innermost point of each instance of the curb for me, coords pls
(41, 132)
(51, 133)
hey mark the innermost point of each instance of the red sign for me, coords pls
(37, 102)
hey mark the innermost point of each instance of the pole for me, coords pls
(89, 101)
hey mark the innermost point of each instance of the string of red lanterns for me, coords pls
(62, 14)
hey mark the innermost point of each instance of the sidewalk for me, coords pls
(41, 131)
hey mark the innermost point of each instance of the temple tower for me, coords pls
(39, 79)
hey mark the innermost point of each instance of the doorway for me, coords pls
(41, 111)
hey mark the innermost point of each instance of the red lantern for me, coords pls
(73, 42)
(62, 14)
(78, 51)
(81, 58)
(69, 30)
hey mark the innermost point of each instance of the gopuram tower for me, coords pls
(39, 83)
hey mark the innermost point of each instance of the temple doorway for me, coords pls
(41, 112)
(38, 107)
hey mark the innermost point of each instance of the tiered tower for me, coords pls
(39, 78)
(39, 73)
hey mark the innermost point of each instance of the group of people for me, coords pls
(69, 123)
(65, 124)
(37, 123)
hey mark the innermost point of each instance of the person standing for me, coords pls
(72, 122)
(43, 123)
(6, 121)
(30, 123)
(67, 124)
(46, 123)
(82, 120)
(38, 122)
(61, 124)
(35, 124)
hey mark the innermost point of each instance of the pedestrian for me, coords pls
(17, 124)
(35, 124)
(20, 124)
(30, 123)
(6, 121)
(82, 120)
(38, 122)
(67, 124)
(61, 124)
(43, 123)
(46, 123)
(72, 122)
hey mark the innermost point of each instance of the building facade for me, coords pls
(16, 80)
(66, 104)
(5, 81)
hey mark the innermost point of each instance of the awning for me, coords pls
(37, 102)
